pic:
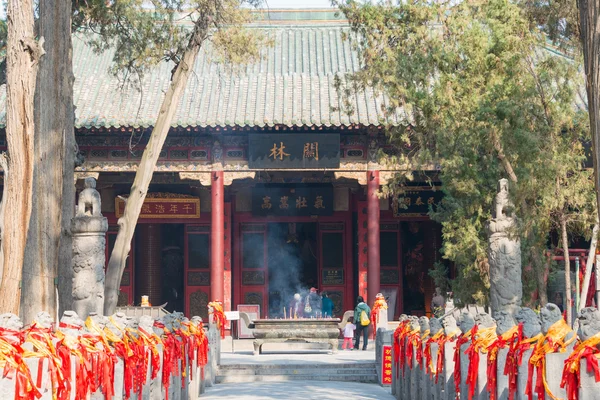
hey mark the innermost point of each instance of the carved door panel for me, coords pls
(197, 270)
(252, 276)
(391, 267)
(335, 273)
(127, 289)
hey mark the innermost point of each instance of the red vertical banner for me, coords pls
(386, 366)
(362, 248)
(227, 262)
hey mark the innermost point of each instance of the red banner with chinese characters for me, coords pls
(164, 207)
(386, 366)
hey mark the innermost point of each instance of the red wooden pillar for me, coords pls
(373, 256)
(217, 237)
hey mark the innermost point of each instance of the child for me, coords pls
(348, 334)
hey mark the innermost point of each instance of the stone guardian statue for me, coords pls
(89, 240)
(504, 255)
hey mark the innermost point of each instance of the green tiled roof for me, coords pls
(292, 86)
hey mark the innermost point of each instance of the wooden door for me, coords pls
(197, 270)
(252, 274)
(335, 269)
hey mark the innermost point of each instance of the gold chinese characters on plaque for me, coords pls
(164, 207)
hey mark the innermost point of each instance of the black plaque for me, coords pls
(333, 277)
(389, 277)
(417, 201)
(292, 200)
(253, 278)
(276, 151)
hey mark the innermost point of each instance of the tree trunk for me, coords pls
(22, 58)
(143, 176)
(589, 23)
(540, 269)
(589, 265)
(53, 124)
(565, 244)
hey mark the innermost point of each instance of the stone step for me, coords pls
(337, 366)
(294, 371)
(368, 378)
(345, 372)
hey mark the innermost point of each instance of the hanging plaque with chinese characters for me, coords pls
(292, 200)
(164, 206)
(417, 201)
(294, 151)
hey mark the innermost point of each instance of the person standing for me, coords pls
(327, 305)
(362, 322)
(348, 334)
(312, 306)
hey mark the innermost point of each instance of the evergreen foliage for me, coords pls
(481, 99)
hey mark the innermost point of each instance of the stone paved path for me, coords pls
(298, 390)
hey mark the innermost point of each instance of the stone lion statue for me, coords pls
(414, 323)
(466, 322)
(530, 320)
(89, 200)
(589, 323)
(424, 325)
(450, 326)
(504, 322)
(43, 320)
(11, 322)
(435, 326)
(549, 315)
(484, 320)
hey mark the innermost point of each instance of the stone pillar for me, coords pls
(217, 240)
(504, 255)
(88, 228)
(373, 257)
(149, 257)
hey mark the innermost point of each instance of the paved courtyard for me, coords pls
(298, 390)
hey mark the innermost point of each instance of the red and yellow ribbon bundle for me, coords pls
(13, 365)
(196, 344)
(413, 342)
(124, 349)
(218, 316)
(462, 339)
(151, 341)
(380, 304)
(41, 340)
(419, 353)
(514, 358)
(171, 355)
(481, 341)
(587, 350)
(431, 369)
(74, 346)
(442, 352)
(551, 343)
(399, 345)
(505, 340)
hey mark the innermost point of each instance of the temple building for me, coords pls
(264, 188)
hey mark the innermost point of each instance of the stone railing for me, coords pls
(505, 358)
(117, 357)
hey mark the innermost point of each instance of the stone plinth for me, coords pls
(589, 389)
(501, 379)
(554, 369)
(447, 378)
(313, 330)
(523, 375)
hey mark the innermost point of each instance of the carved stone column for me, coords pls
(89, 241)
(504, 254)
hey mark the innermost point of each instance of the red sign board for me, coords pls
(188, 207)
(386, 366)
